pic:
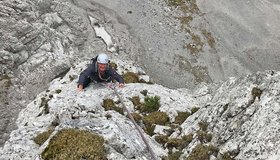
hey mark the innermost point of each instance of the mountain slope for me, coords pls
(240, 115)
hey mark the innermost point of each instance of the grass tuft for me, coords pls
(72, 144)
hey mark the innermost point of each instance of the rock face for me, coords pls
(202, 41)
(187, 43)
(241, 115)
(40, 40)
(36, 45)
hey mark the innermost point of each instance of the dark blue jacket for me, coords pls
(92, 74)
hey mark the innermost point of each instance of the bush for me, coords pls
(136, 102)
(174, 156)
(174, 142)
(188, 138)
(72, 144)
(160, 118)
(182, 116)
(151, 104)
(162, 139)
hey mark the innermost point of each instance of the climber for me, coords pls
(99, 71)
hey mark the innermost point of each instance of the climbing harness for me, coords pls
(113, 87)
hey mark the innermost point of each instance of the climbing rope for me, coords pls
(113, 87)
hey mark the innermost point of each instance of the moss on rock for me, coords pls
(6, 80)
(131, 77)
(188, 138)
(161, 139)
(136, 102)
(174, 155)
(204, 137)
(202, 152)
(174, 142)
(109, 104)
(194, 109)
(137, 117)
(72, 144)
(42, 137)
(227, 156)
(203, 125)
(181, 117)
(160, 118)
(149, 129)
(113, 65)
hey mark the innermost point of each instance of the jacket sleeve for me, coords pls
(116, 76)
(85, 75)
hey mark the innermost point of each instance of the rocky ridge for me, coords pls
(241, 115)
(41, 40)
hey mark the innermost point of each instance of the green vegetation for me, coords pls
(131, 77)
(42, 137)
(160, 118)
(176, 2)
(174, 142)
(7, 82)
(182, 116)
(185, 21)
(153, 118)
(108, 104)
(137, 117)
(194, 109)
(174, 156)
(185, 6)
(202, 152)
(203, 125)
(113, 65)
(191, 7)
(136, 102)
(72, 144)
(151, 104)
(189, 10)
(188, 138)
(161, 139)
(204, 137)
(149, 129)
(227, 156)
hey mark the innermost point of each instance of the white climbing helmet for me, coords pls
(103, 58)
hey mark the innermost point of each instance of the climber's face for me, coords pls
(101, 67)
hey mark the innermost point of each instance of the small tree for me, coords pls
(151, 104)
